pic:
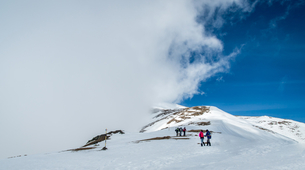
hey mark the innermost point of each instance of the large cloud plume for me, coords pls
(70, 69)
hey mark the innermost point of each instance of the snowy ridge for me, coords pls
(167, 118)
(237, 143)
(290, 128)
(210, 117)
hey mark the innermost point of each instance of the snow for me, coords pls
(290, 128)
(237, 143)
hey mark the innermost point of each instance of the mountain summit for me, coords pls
(212, 117)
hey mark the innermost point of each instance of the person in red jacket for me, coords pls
(184, 130)
(201, 136)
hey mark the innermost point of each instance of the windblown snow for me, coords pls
(238, 142)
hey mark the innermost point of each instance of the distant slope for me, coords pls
(290, 128)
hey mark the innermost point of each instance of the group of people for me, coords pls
(208, 135)
(179, 130)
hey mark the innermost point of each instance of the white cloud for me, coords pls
(290, 6)
(70, 69)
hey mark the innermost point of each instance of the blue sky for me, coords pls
(267, 77)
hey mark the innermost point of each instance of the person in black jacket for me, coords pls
(177, 129)
(208, 135)
(180, 129)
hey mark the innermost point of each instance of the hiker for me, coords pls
(184, 129)
(201, 136)
(177, 129)
(181, 131)
(208, 135)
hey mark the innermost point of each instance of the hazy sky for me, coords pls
(70, 69)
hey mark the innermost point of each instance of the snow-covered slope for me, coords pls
(209, 115)
(289, 128)
(237, 143)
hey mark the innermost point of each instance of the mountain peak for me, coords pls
(217, 119)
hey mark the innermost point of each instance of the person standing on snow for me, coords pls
(184, 129)
(208, 135)
(177, 129)
(181, 131)
(201, 136)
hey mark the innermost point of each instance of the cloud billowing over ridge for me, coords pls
(71, 69)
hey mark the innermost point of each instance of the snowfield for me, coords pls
(237, 143)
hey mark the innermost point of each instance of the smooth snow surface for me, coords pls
(238, 143)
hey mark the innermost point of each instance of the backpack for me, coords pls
(201, 134)
(208, 134)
